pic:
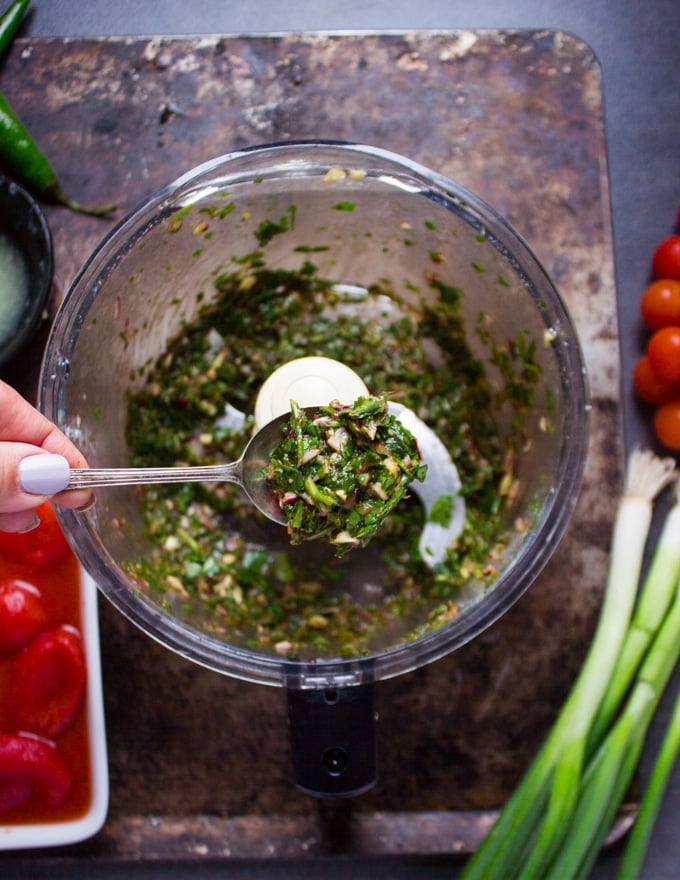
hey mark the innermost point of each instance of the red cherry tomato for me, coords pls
(666, 424)
(663, 351)
(47, 682)
(31, 767)
(39, 547)
(660, 304)
(666, 258)
(22, 614)
(649, 387)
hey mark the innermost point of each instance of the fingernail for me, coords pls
(32, 523)
(44, 474)
(88, 504)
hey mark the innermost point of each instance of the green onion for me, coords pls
(647, 690)
(655, 598)
(558, 815)
(636, 846)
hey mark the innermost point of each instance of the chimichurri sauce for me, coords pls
(216, 554)
(341, 470)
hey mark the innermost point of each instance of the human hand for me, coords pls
(24, 431)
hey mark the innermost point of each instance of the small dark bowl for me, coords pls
(24, 223)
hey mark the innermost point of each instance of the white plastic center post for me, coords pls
(309, 381)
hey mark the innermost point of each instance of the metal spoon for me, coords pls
(47, 474)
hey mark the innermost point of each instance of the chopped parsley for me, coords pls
(340, 472)
(442, 510)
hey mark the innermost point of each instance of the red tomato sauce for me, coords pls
(59, 583)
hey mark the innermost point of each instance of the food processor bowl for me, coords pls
(399, 245)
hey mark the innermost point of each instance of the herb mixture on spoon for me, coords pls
(339, 473)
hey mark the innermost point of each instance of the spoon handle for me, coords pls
(91, 478)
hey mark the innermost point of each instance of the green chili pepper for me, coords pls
(23, 158)
(18, 152)
(10, 21)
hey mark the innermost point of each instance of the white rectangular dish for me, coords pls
(59, 833)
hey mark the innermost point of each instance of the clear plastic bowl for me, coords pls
(364, 216)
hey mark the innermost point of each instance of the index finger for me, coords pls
(22, 423)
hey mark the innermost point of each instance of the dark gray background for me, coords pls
(638, 45)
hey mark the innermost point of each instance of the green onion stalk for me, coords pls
(622, 748)
(533, 828)
(647, 660)
(638, 841)
(656, 596)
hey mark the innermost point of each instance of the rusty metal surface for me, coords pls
(517, 118)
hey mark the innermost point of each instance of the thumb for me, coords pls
(13, 498)
(17, 508)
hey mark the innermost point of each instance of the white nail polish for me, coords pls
(44, 474)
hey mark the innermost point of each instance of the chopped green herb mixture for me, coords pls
(215, 553)
(442, 510)
(341, 472)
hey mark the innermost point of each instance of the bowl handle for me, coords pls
(333, 743)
